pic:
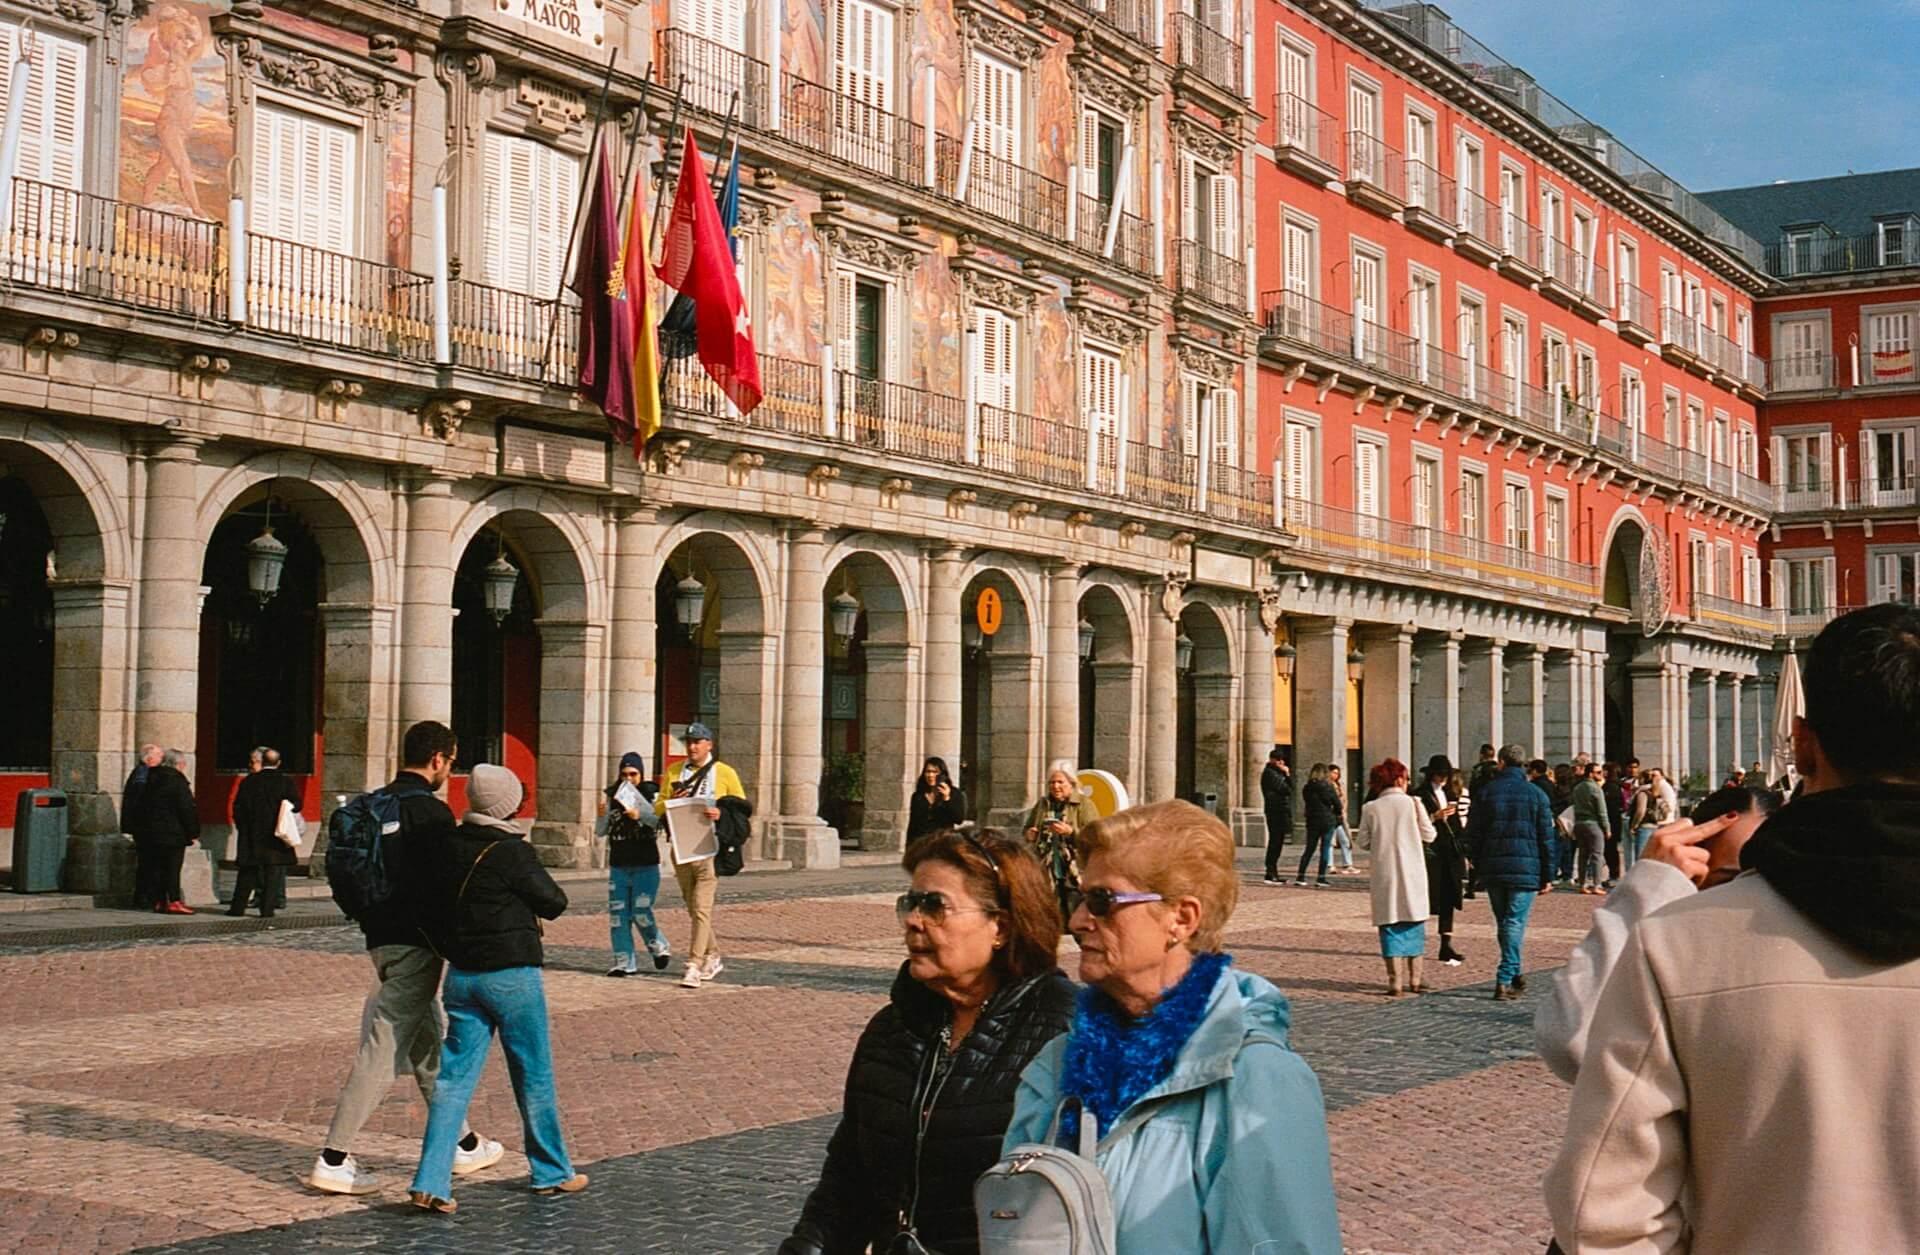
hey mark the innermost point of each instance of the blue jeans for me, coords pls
(1510, 910)
(1637, 844)
(1342, 842)
(512, 1002)
(630, 895)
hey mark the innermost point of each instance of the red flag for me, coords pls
(606, 322)
(698, 264)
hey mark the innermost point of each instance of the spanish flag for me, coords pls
(646, 345)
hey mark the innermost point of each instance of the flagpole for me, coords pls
(579, 206)
(633, 153)
(660, 184)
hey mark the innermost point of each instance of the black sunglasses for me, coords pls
(1102, 902)
(933, 906)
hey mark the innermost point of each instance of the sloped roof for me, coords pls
(1850, 203)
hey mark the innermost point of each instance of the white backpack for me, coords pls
(1042, 1200)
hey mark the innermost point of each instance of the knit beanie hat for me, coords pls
(633, 760)
(493, 792)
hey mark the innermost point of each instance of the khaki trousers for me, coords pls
(400, 1030)
(698, 881)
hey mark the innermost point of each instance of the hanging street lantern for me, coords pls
(971, 636)
(1356, 664)
(689, 603)
(1183, 653)
(497, 584)
(1284, 655)
(843, 612)
(1086, 641)
(1413, 671)
(266, 559)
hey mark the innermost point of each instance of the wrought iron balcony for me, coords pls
(1213, 277)
(1210, 54)
(508, 333)
(1682, 338)
(1840, 254)
(1001, 189)
(709, 75)
(1522, 247)
(1476, 226)
(1166, 478)
(1132, 18)
(111, 251)
(1240, 495)
(1431, 201)
(1132, 240)
(1387, 543)
(323, 297)
(1034, 449)
(1576, 279)
(894, 418)
(1632, 308)
(1306, 140)
(1738, 618)
(790, 394)
(837, 125)
(1803, 372)
(1376, 173)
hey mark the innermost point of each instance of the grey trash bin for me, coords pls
(39, 840)
(1208, 802)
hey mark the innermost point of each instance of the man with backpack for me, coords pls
(704, 776)
(377, 862)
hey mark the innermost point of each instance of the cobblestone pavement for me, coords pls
(169, 1093)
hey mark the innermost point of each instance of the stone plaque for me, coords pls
(584, 20)
(536, 453)
(1227, 570)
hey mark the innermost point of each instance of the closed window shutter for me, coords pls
(1828, 583)
(1778, 574)
(530, 190)
(1366, 479)
(53, 121)
(843, 345)
(1750, 579)
(1299, 467)
(1100, 386)
(303, 179)
(996, 95)
(1824, 476)
(1224, 206)
(1089, 155)
(1299, 259)
(995, 382)
(1226, 427)
(1190, 389)
(1189, 207)
(865, 54)
(723, 22)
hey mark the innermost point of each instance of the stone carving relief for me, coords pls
(861, 248)
(1204, 362)
(1205, 142)
(993, 31)
(252, 61)
(554, 110)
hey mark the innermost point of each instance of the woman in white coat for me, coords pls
(1395, 827)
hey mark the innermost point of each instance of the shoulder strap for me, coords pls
(484, 851)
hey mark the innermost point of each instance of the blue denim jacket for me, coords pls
(1234, 1153)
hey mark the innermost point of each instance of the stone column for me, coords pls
(357, 703)
(1711, 700)
(1115, 726)
(1735, 684)
(634, 642)
(88, 760)
(1386, 695)
(1256, 725)
(1597, 704)
(426, 610)
(1436, 703)
(1651, 687)
(1320, 682)
(1556, 722)
(1523, 708)
(1214, 741)
(885, 731)
(1482, 693)
(1680, 719)
(943, 656)
(571, 696)
(747, 730)
(1063, 662)
(1162, 699)
(172, 554)
(801, 836)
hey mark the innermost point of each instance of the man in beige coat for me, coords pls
(1748, 1083)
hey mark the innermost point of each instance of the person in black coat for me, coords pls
(164, 823)
(1276, 802)
(1325, 812)
(937, 801)
(931, 1089)
(263, 858)
(1446, 860)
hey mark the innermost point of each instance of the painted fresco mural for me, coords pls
(175, 137)
(794, 272)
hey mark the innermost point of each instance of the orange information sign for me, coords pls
(987, 612)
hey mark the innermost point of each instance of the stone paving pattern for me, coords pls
(168, 1092)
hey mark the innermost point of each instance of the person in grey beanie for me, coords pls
(484, 907)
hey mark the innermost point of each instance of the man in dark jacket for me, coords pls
(484, 899)
(1510, 839)
(402, 1024)
(164, 823)
(262, 856)
(1276, 800)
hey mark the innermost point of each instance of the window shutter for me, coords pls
(1366, 479)
(996, 95)
(1088, 158)
(1299, 462)
(1224, 206)
(336, 162)
(53, 122)
(1189, 210)
(1825, 476)
(1827, 578)
(1299, 259)
(843, 329)
(864, 61)
(1778, 574)
(557, 188)
(303, 179)
(1189, 416)
(1750, 579)
(1100, 390)
(723, 22)
(1226, 427)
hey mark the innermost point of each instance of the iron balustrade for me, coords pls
(1476, 216)
(1682, 331)
(1803, 372)
(1383, 542)
(1521, 241)
(1804, 622)
(1212, 55)
(324, 297)
(1799, 494)
(1889, 488)
(1576, 271)
(509, 333)
(108, 250)
(1132, 241)
(1753, 491)
(1373, 161)
(1299, 125)
(1132, 18)
(790, 399)
(1211, 276)
(709, 74)
(895, 418)
(838, 125)
(1297, 317)
(1239, 495)
(1430, 190)
(1001, 189)
(1631, 304)
(1034, 449)
(1738, 617)
(1839, 254)
(1166, 478)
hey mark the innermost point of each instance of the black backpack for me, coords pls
(357, 835)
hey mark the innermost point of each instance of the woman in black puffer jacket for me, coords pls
(977, 998)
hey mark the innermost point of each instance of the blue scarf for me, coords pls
(1112, 1059)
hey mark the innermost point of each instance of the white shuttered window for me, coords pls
(996, 110)
(1100, 398)
(53, 124)
(304, 189)
(996, 343)
(530, 191)
(863, 74)
(723, 22)
(1300, 461)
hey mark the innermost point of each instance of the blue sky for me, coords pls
(1724, 94)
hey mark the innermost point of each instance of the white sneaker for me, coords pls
(346, 1178)
(692, 978)
(713, 967)
(485, 1155)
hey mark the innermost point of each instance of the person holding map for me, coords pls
(691, 843)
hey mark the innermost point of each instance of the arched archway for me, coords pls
(1621, 589)
(1204, 717)
(867, 699)
(1109, 678)
(999, 690)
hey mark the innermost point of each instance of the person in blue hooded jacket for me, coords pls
(1213, 1133)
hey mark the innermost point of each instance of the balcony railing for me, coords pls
(1805, 493)
(837, 125)
(894, 418)
(1310, 131)
(108, 250)
(1376, 163)
(1682, 331)
(1132, 18)
(1211, 276)
(1804, 622)
(1803, 372)
(1521, 241)
(1161, 477)
(330, 298)
(1430, 190)
(1631, 304)
(1297, 317)
(508, 333)
(1239, 495)
(710, 74)
(790, 395)
(1887, 489)
(1210, 54)
(1132, 241)
(1839, 254)
(998, 187)
(1341, 533)
(1738, 618)
(1576, 271)
(1478, 219)
(1034, 449)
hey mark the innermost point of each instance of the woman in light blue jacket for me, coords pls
(1213, 1135)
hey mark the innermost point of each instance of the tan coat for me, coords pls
(1748, 1089)
(1395, 827)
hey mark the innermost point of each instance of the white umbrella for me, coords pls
(1790, 703)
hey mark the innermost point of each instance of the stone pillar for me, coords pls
(801, 836)
(943, 656)
(1710, 693)
(749, 681)
(1063, 662)
(1386, 696)
(426, 611)
(1556, 721)
(1651, 686)
(885, 733)
(172, 554)
(1524, 707)
(634, 641)
(1214, 740)
(1597, 704)
(1256, 725)
(1483, 694)
(1732, 727)
(1162, 699)
(88, 760)
(1114, 725)
(571, 718)
(357, 704)
(1011, 716)
(1436, 703)
(1320, 683)
(1680, 718)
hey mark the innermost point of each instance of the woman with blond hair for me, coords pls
(1211, 1131)
(1398, 831)
(1053, 823)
